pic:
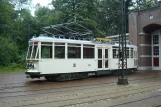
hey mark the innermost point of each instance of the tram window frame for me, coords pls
(127, 52)
(61, 54)
(135, 54)
(34, 52)
(29, 52)
(132, 53)
(115, 52)
(70, 47)
(50, 50)
(87, 53)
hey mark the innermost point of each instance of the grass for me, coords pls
(11, 69)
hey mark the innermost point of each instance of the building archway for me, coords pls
(151, 28)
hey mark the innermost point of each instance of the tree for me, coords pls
(8, 51)
(85, 12)
(110, 15)
(13, 33)
(7, 16)
(46, 16)
(144, 4)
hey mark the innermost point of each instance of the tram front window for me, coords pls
(32, 52)
(29, 51)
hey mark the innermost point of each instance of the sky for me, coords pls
(41, 2)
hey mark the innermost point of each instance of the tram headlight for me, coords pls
(30, 65)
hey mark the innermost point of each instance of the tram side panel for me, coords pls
(57, 66)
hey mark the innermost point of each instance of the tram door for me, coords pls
(102, 58)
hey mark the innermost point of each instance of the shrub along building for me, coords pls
(145, 33)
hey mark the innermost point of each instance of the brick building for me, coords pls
(145, 32)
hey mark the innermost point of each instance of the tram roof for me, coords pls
(63, 40)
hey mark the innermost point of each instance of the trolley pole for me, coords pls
(28, 32)
(122, 78)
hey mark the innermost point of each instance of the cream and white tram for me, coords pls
(68, 59)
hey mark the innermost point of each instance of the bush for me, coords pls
(8, 51)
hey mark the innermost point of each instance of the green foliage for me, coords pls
(45, 16)
(13, 34)
(85, 12)
(7, 14)
(8, 51)
(144, 4)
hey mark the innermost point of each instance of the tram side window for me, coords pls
(132, 56)
(115, 53)
(127, 52)
(135, 62)
(135, 54)
(59, 51)
(46, 51)
(74, 51)
(88, 52)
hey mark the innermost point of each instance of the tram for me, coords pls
(60, 58)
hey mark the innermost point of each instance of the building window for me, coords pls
(156, 61)
(155, 50)
(155, 39)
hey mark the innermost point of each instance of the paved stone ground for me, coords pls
(144, 90)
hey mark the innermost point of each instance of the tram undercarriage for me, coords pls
(74, 76)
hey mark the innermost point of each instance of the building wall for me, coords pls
(152, 16)
(133, 29)
(141, 26)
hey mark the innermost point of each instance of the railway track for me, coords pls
(91, 94)
(22, 84)
(137, 101)
(12, 85)
(92, 97)
(91, 86)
